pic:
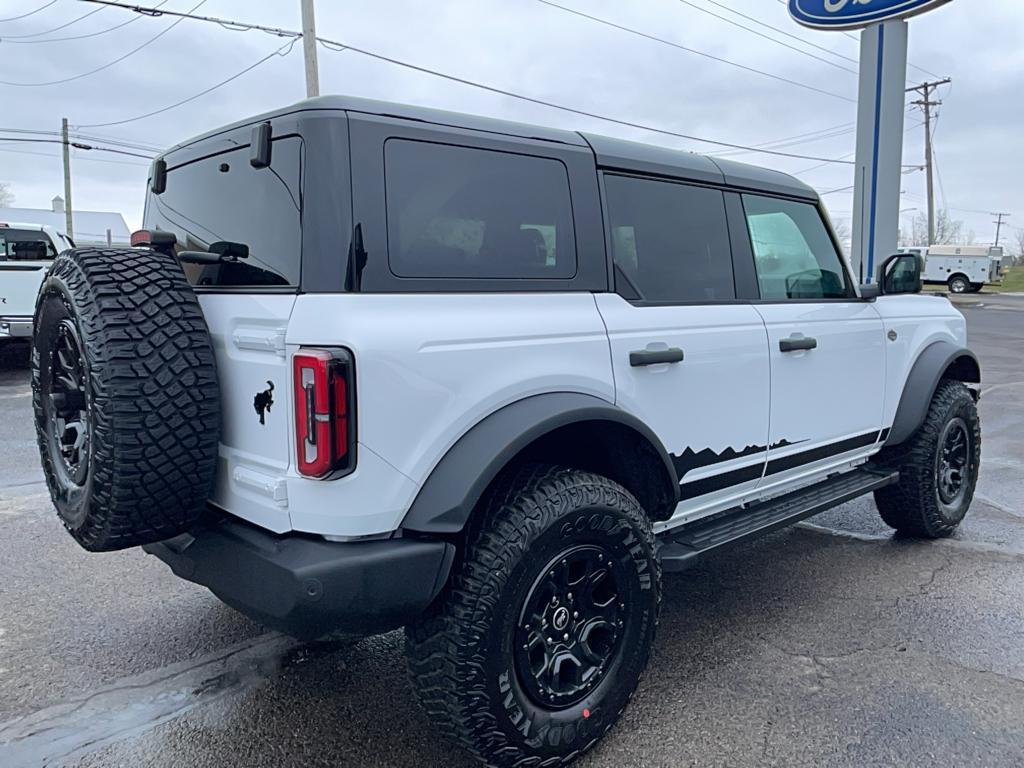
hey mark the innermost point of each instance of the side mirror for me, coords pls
(901, 274)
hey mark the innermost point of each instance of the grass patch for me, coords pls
(1013, 281)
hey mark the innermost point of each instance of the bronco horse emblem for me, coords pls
(263, 401)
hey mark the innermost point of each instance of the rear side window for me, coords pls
(224, 199)
(25, 245)
(670, 242)
(460, 212)
(793, 254)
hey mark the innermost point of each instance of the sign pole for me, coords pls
(879, 166)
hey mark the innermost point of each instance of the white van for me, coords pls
(26, 250)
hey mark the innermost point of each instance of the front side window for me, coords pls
(460, 212)
(223, 199)
(670, 242)
(793, 254)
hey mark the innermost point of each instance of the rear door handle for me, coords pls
(798, 344)
(644, 357)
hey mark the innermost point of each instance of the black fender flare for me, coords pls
(455, 485)
(928, 370)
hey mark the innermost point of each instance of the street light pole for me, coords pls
(309, 49)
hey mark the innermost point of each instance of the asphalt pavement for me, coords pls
(831, 643)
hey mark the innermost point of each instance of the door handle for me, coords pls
(798, 344)
(643, 357)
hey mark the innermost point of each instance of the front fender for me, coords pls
(451, 492)
(932, 365)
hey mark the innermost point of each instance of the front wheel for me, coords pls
(938, 468)
(535, 648)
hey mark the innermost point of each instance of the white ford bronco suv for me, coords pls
(373, 366)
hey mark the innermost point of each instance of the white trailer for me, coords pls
(963, 268)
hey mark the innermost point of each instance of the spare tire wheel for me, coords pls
(125, 396)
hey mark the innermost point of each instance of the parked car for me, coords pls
(374, 366)
(26, 250)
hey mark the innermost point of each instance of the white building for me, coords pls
(91, 227)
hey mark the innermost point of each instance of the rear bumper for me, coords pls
(306, 586)
(15, 327)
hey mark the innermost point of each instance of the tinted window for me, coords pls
(794, 256)
(457, 212)
(669, 241)
(25, 245)
(223, 198)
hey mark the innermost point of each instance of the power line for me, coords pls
(102, 139)
(572, 110)
(78, 37)
(107, 65)
(857, 38)
(234, 26)
(800, 138)
(783, 32)
(79, 145)
(30, 13)
(335, 45)
(284, 50)
(695, 51)
(77, 157)
(55, 29)
(768, 37)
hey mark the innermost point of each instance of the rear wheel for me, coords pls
(536, 646)
(938, 468)
(959, 284)
(125, 396)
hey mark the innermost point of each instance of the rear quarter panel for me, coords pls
(428, 368)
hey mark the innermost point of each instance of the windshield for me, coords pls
(25, 245)
(223, 198)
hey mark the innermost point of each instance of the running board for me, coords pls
(682, 547)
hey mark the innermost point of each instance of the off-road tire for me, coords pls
(149, 396)
(913, 506)
(460, 653)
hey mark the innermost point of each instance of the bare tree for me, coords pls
(1018, 260)
(948, 231)
(6, 196)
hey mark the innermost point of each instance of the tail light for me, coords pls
(324, 412)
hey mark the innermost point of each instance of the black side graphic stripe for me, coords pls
(720, 482)
(822, 452)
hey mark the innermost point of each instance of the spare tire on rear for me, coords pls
(125, 396)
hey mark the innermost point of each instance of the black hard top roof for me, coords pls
(611, 153)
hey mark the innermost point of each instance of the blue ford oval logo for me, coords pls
(850, 14)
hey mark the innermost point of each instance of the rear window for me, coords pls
(459, 212)
(224, 199)
(25, 245)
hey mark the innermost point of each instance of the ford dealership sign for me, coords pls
(851, 14)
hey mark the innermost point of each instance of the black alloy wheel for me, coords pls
(952, 462)
(570, 626)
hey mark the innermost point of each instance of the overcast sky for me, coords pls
(524, 46)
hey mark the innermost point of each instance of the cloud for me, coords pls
(519, 45)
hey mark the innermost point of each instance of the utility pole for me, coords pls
(999, 224)
(309, 49)
(926, 103)
(68, 225)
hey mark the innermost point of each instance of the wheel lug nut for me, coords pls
(575, 614)
(566, 636)
(570, 595)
